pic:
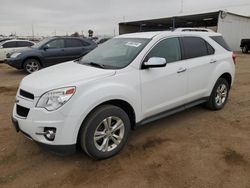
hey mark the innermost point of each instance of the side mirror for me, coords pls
(155, 62)
(45, 48)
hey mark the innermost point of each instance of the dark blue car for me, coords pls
(49, 52)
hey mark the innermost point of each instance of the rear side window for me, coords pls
(73, 43)
(168, 49)
(196, 47)
(24, 43)
(85, 43)
(58, 43)
(220, 40)
(210, 49)
(11, 44)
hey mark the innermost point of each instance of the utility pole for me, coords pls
(182, 5)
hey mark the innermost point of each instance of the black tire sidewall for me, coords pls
(27, 61)
(89, 127)
(213, 96)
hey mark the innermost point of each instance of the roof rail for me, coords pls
(193, 29)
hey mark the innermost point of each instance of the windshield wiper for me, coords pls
(96, 65)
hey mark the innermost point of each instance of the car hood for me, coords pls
(62, 75)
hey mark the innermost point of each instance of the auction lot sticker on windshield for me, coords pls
(133, 44)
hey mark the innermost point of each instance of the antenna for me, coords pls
(32, 27)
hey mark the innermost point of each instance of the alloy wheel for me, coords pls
(221, 94)
(32, 66)
(109, 134)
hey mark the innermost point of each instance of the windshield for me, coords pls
(116, 53)
(41, 43)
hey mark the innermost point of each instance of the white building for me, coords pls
(232, 26)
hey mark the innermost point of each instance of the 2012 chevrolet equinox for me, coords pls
(128, 81)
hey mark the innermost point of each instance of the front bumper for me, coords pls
(57, 149)
(14, 62)
(33, 121)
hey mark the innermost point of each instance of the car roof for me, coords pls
(16, 40)
(150, 35)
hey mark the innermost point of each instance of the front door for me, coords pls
(164, 88)
(54, 52)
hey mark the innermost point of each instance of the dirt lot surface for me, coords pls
(195, 148)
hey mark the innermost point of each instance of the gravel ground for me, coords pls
(194, 148)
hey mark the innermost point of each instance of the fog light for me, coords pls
(50, 133)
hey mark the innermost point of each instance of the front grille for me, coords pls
(22, 111)
(26, 94)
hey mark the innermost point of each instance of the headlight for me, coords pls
(54, 99)
(14, 55)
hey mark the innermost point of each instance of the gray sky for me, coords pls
(103, 16)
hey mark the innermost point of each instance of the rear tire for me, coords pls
(245, 49)
(105, 132)
(219, 95)
(31, 65)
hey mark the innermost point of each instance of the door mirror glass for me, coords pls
(46, 47)
(154, 62)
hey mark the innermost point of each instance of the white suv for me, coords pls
(128, 81)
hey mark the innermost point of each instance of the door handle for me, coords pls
(213, 61)
(180, 70)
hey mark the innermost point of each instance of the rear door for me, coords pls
(200, 61)
(54, 52)
(73, 49)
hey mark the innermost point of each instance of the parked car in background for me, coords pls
(49, 52)
(4, 39)
(102, 40)
(10, 46)
(128, 81)
(245, 45)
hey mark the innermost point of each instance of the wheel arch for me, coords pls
(227, 76)
(126, 106)
(32, 57)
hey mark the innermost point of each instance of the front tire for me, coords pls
(31, 65)
(105, 132)
(219, 95)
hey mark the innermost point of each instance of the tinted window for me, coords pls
(58, 43)
(24, 44)
(168, 49)
(11, 44)
(210, 49)
(195, 47)
(71, 43)
(85, 43)
(220, 40)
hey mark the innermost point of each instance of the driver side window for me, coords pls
(168, 49)
(58, 43)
